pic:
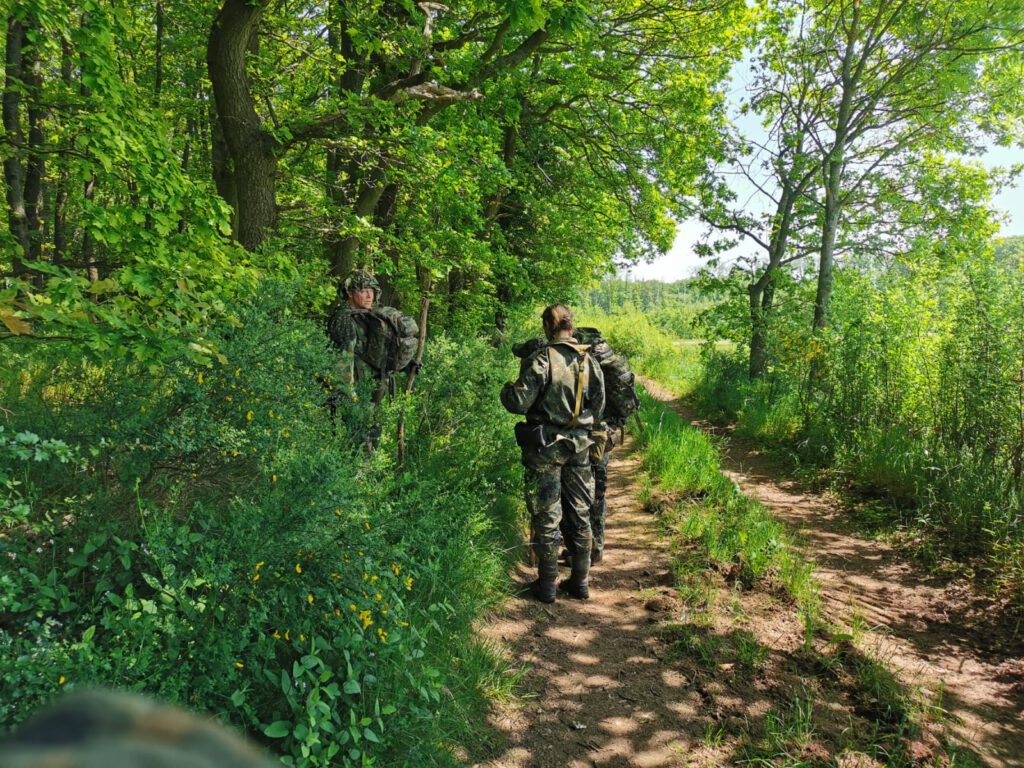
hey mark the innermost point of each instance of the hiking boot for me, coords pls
(578, 589)
(543, 590)
(596, 556)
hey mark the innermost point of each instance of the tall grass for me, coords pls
(710, 510)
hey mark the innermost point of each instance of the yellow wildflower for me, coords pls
(352, 606)
(374, 579)
(337, 611)
(395, 569)
(199, 378)
(408, 583)
(379, 597)
(302, 637)
(273, 478)
(309, 598)
(61, 681)
(239, 665)
(248, 416)
(382, 635)
(364, 616)
(287, 634)
(367, 526)
(259, 565)
(256, 577)
(298, 568)
(277, 635)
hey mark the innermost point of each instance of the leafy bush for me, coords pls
(229, 547)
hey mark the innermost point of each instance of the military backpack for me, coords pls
(391, 339)
(620, 398)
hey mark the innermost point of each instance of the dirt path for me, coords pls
(931, 633)
(598, 691)
(634, 678)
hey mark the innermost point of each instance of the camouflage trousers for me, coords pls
(559, 484)
(598, 510)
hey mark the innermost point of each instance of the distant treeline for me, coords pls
(674, 307)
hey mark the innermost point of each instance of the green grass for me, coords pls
(711, 520)
(728, 526)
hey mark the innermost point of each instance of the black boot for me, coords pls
(578, 584)
(543, 589)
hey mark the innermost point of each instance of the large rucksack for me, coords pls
(391, 339)
(620, 398)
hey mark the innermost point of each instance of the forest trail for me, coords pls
(933, 634)
(635, 678)
(597, 688)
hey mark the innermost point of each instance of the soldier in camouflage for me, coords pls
(353, 374)
(102, 729)
(604, 436)
(362, 291)
(560, 390)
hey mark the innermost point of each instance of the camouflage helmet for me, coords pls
(359, 279)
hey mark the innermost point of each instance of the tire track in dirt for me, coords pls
(932, 634)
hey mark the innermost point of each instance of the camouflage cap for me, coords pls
(359, 279)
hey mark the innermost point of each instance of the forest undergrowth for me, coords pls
(213, 537)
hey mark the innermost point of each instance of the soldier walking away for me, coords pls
(560, 390)
(620, 402)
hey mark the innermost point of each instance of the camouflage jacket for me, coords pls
(546, 390)
(349, 337)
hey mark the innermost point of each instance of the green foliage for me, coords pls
(918, 400)
(228, 547)
(650, 350)
(731, 528)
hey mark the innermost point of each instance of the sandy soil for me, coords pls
(634, 678)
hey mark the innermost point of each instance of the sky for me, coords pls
(682, 262)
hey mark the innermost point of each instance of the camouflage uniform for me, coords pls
(558, 474)
(102, 729)
(356, 379)
(349, 335)
(599, 510)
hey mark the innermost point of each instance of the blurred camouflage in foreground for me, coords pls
(103, 729)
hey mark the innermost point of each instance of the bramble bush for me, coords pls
(212, 537)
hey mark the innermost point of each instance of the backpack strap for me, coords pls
(581, 384)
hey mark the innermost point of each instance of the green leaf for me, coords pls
(278, 729)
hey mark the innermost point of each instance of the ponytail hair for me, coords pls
(557, 318)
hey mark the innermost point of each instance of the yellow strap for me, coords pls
(580, 385)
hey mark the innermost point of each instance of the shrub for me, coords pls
(229, 547)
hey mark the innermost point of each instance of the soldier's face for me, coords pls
(361, 299)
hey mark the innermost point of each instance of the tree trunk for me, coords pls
(830, 226)
(60, 195)
(14, 170)
(251, 150)
(339, 255)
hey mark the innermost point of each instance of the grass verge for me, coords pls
(782, 686)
